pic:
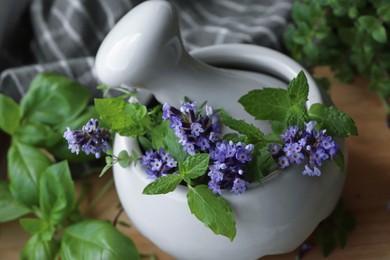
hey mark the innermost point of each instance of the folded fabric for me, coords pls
(66, 34)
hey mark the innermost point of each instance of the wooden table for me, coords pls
(366, 193)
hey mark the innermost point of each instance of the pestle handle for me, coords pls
(140, 46)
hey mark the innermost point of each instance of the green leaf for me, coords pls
(267, 103)
(297, 115)
(53, 99)
(56, 193)
(39, 248)
(334, 120)
(9, 114)
(384, 11)
(37, 134)
(379, 34)
(123, 117)
(298, 89)
(10, 208)
(194, 166)
(124, 159)
(212, 210)
(93, 239)
(163, 185)
(34, 226)
(235, 138)
(325, 238)
(253, 133)
(172, 145)
(25, 165)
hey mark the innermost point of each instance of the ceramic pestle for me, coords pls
(144, 50)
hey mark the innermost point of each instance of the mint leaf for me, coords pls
(9, 114)
(253, 133)
(163, 136)
(10, 208)
(334, 120)
(56, 193)
(298, 89)
(124, 159)
(163, 184)
(267, 103)
(37, 247)
(212, 210)
(49, 91)
(123, 117)
(158, 134)
(93, 239)
(235, 138)
(297, 115)
(25, 165)
(194, 166)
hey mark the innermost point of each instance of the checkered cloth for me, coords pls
(66, 34)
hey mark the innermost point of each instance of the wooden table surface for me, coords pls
(366, 193)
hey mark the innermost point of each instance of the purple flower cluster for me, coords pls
(229, 162)
(158, 163)
(202, 133)
(195, 131)
(91, 139)
(314, 145)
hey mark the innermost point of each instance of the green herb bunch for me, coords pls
(39, 182)
(350, 36)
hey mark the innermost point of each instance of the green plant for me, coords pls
(350, 36)
(39, 179)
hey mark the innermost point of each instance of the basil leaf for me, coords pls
(25, 165)
(253, 133)
(53, 99)
(93, 239)
(334, 120)
(163, 184)
(10, 208)
(194, 166)
(212, 210)
(56, 193)
(9, 114)
(123, 117)
(267, 103)
(37, 134)
(298, 89)
(35, 225)
(39, 248)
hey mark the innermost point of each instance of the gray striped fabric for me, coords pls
(67, 33)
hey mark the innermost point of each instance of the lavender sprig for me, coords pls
(314, 145)
(91, 139)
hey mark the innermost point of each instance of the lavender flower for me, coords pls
(158, 163)
(91, 139)
(313, 145)
(202, 133)
(196, 132)
(229, 164)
